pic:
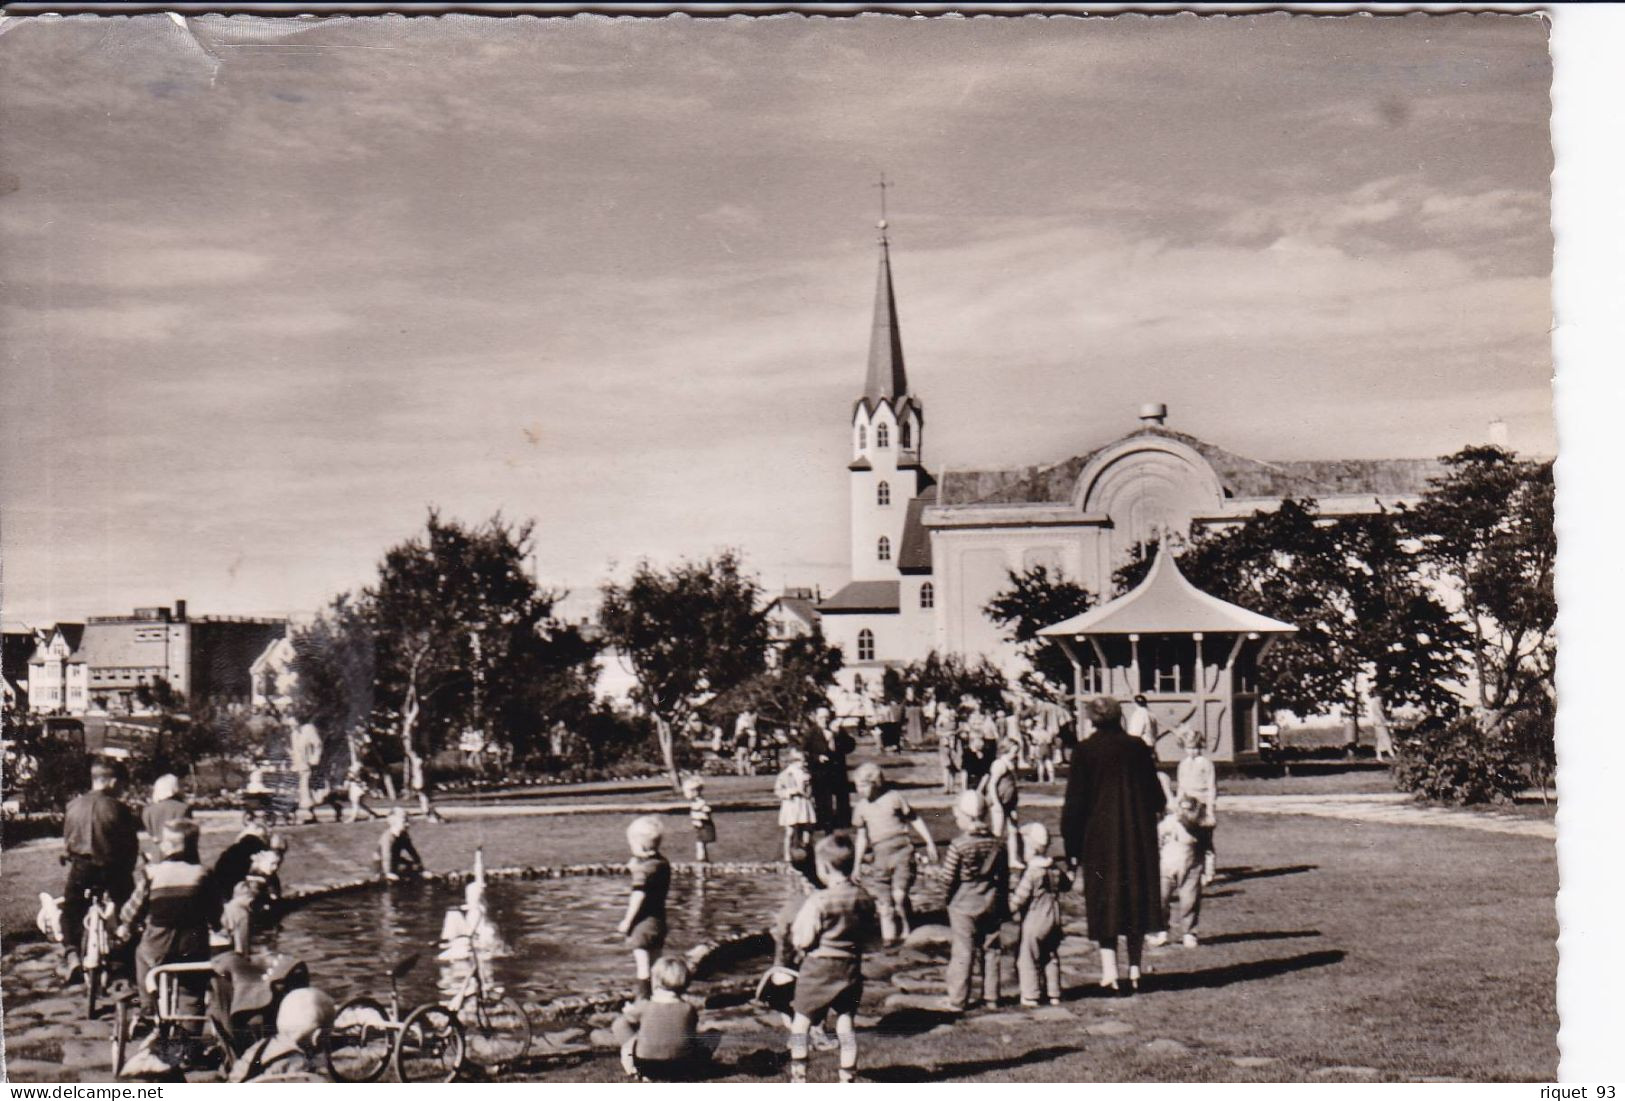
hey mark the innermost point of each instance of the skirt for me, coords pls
(828, 984)
(797, 811)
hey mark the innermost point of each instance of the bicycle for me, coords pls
(199, 1035)
(495, 1025)
(426, 1046)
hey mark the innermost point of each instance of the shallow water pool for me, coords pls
(559, 934)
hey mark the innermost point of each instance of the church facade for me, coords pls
(928, 551)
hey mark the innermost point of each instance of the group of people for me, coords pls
(1136, 843)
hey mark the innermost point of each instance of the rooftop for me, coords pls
(1166, 603)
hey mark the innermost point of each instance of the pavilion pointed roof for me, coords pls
(1166, 603)
(886, 379)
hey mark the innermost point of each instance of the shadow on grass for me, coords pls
(1240, 972)
(1244, 872)
(941, 1072)
(912, 1022)
(1278, 934)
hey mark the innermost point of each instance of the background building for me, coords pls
(111, 663)
(929, 552)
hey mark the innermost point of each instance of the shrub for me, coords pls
(1456, 761)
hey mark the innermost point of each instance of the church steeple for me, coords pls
(886, 378)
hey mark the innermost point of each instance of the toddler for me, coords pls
(1196, 779)
(1037, 902)
(832, 930)
(975, 876)
(660, 1036)
(1181, 862)
(883, 820)
(793, 790)
(699, 816)
(644, 925)
(237, 919)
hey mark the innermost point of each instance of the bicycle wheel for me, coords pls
(360, 1042)
(496, 1031)
(123, 1021)
(430, 1046)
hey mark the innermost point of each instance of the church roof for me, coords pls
(914, 556)
(864, 596)
(1240, 476)
(886, 378)
(1166, 603)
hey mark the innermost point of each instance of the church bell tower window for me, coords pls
(866, 645)
(883, 494)
(905, 435)
(882, 437)
(883, 549)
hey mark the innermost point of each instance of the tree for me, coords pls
(950, 678)
(463, 638)
(690, 633)
(795, 682)
(1487, 534)
(1035, 600)
(1354, 588)
(334, 667)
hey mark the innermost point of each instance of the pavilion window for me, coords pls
(1167, 663)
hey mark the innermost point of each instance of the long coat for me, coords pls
(1109, 825)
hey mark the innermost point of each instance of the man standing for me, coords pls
(99, 832)
(305, 746)
(1142, 724)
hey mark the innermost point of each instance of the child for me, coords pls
(699, 816)
(975, 876)
(355, 785)
(171, 894)
(660, 1037)
(397, 856)
(644, 925)
(883, 820)
(1043, 738)
(793, 789)
(295, 1051)
(1196, 779)
(950, 750)
(998, 789)
(1037, 902)
(1179, 855)
(832, 930)
(237, 920)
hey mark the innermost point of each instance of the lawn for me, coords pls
(1414, 951)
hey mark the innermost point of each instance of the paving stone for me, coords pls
(33, 1070)
(1252, 1062)
(1359, 1074)
(1109, 1028)
(1000, 1020)
(564, 1036)
(866, 1020)
(918, 984)
(1164, 1046)
(1051, 1013)
(603, 1037)
(928, 936)
(914, 1001)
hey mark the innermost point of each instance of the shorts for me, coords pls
(827, 985)
(894, 862)
(648, 934)
(706, 831)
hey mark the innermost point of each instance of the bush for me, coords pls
(1458, 762)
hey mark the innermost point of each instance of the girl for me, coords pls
(699, 816)
(793, 789)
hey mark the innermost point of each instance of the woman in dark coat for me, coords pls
(1109, 824)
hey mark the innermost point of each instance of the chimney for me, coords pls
(180, 611)
(1153, 413)
(1499, 435)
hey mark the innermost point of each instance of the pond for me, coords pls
(559, 934)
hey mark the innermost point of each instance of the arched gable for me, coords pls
(1148, 484)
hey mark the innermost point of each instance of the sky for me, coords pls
(273, 288)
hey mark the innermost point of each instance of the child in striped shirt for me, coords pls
(699, 816)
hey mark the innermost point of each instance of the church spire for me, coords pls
(886, 376)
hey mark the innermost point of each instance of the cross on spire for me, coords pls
(883, 185)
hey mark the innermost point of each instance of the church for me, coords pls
(929, 551)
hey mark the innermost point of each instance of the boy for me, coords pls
(660, 1038)
(975, 876)
(832, 930)
(397, 856)
(295, 1051)
(1038, 902)
(1196, 779)
(883, 819)
(171, 894)
(644, 925)
(699, 816)
(1179, 854)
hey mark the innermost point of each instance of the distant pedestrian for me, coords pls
(305, 747)
(1141, 723)
(167, 806)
